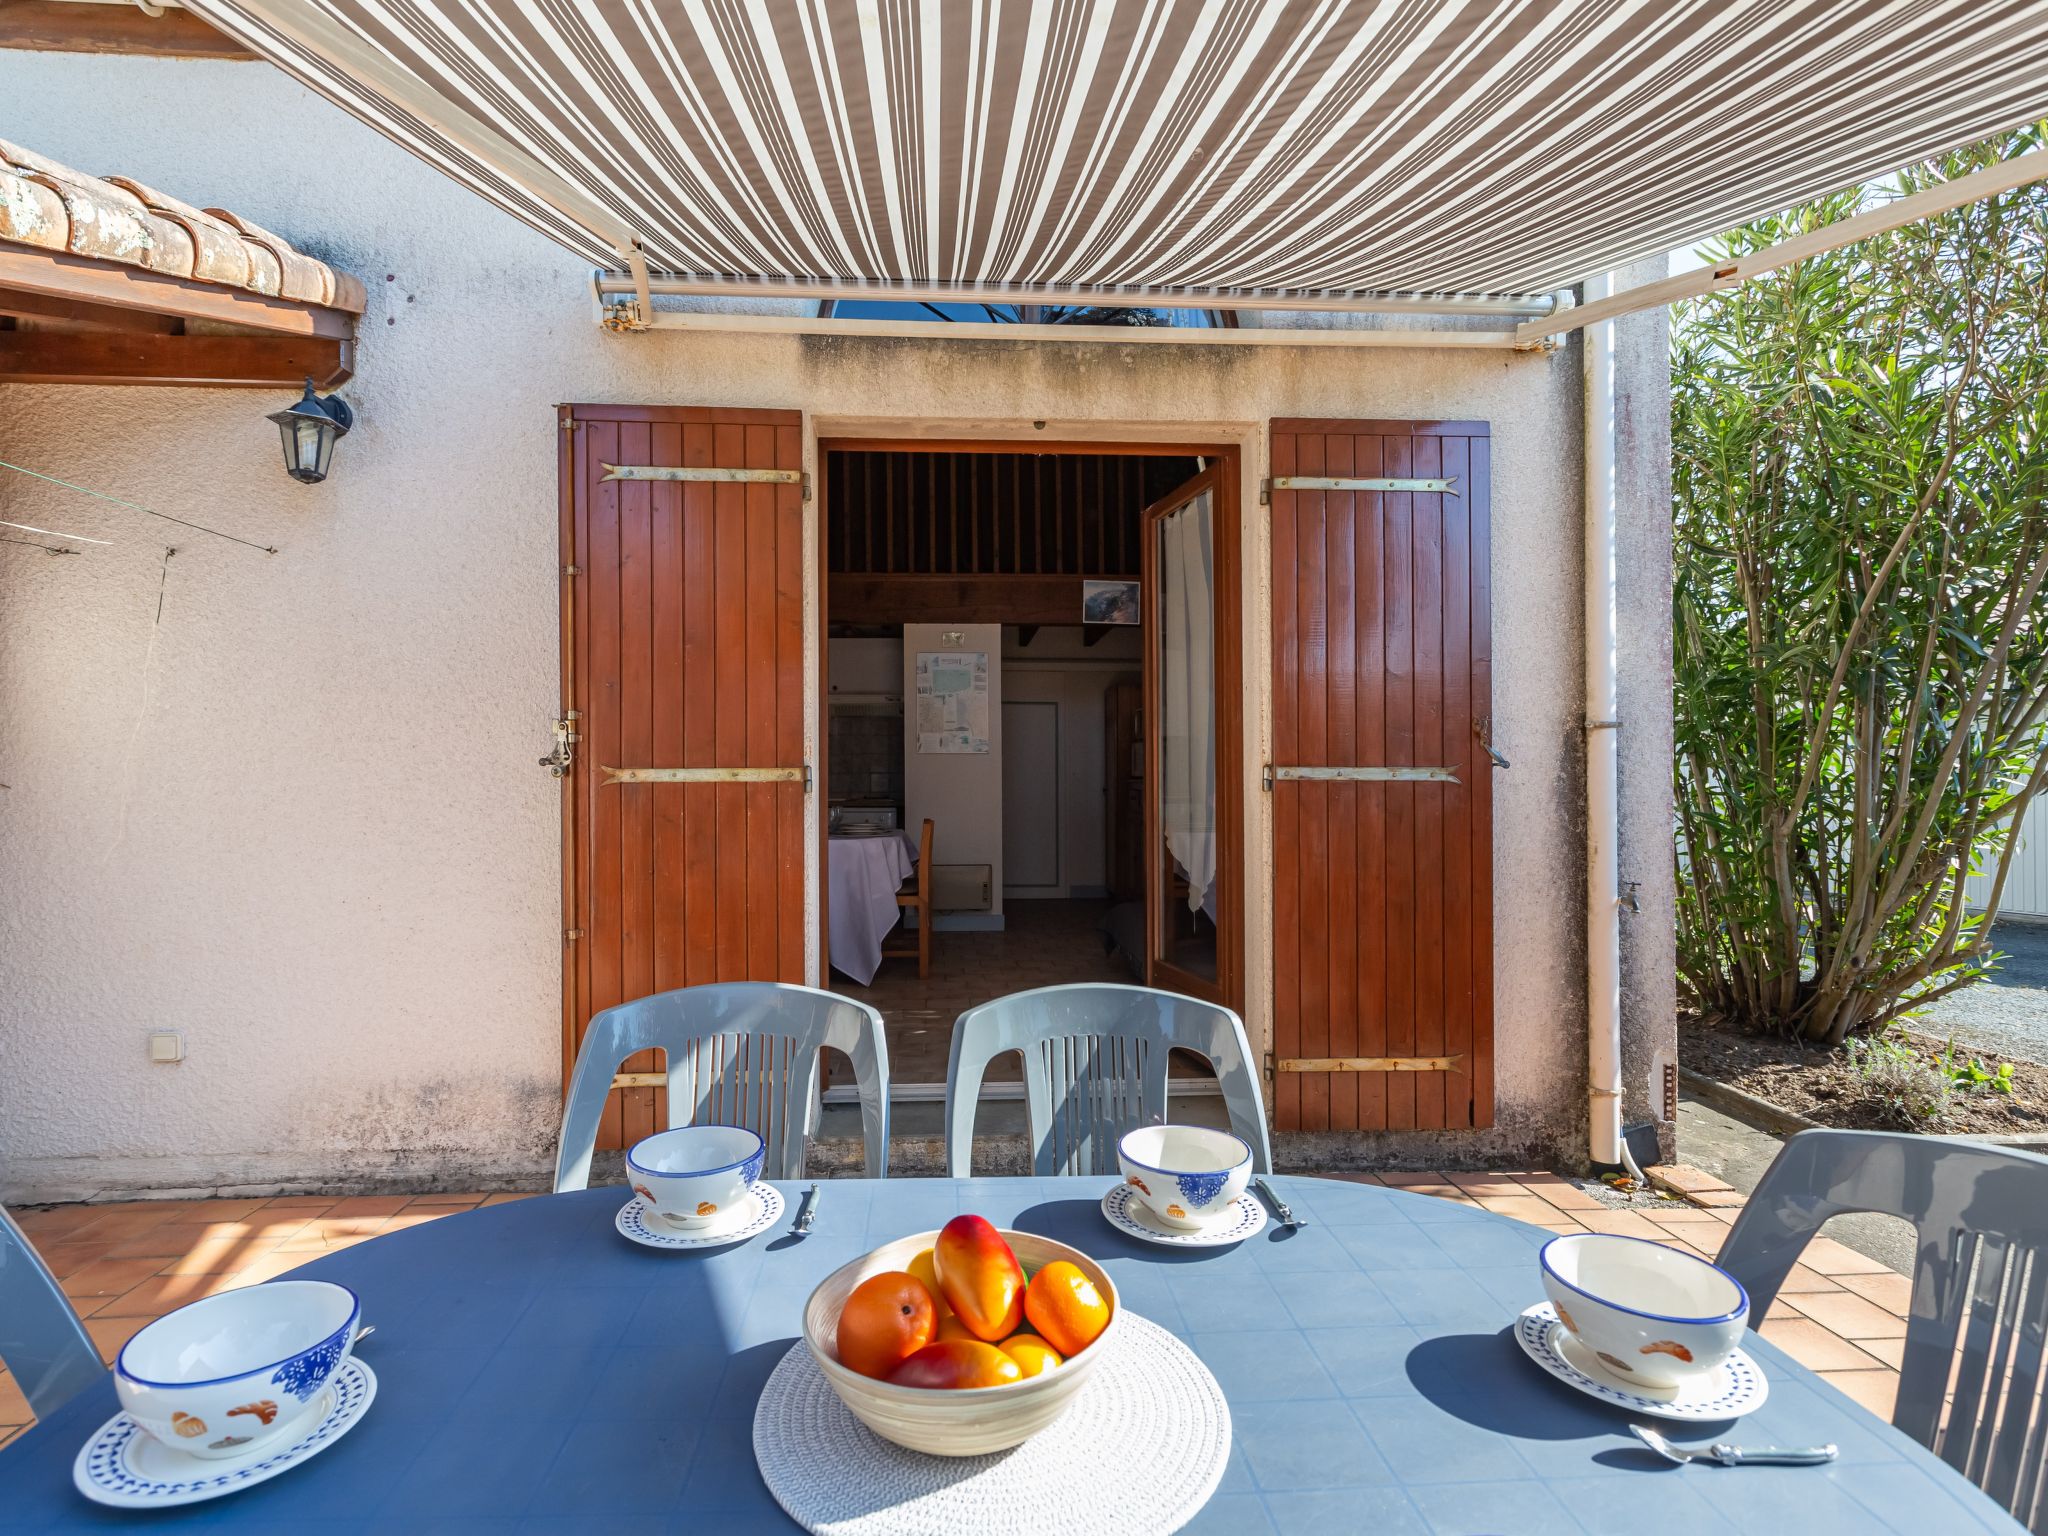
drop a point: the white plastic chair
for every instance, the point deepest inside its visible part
(1974, 1371)
(42, 1342)
(1095, 1067)
(739, 1053)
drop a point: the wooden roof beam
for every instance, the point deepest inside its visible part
(56, 26)
(60, 275)
(129, 357)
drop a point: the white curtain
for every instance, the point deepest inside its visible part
(1187, 666)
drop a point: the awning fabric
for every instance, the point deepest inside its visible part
(1276, 147)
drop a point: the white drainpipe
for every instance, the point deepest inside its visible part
(1603, 870)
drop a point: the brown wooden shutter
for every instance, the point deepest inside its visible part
(1383, 887)
(682, 617)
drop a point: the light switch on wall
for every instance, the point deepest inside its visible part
(166, 1045)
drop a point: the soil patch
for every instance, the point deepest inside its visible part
(1822, 1085)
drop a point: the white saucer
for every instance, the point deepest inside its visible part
(1243, 1218)
(126, 1467)
(1734, 1387)
(647, 1227)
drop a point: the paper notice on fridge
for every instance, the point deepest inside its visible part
(952, 701)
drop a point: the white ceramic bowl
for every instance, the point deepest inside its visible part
(962, 1421)
(1651, 1315)
(1186, 1175)
(223, 1375)
(695, 1174)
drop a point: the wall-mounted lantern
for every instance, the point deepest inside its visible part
(310, 430)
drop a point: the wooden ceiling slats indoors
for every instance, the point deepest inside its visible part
(983, 537)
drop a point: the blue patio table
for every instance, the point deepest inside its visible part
(538, 1373)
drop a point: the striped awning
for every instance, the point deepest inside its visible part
(1248, 151)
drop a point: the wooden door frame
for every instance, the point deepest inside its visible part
(1224, 460)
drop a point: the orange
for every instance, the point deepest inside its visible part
(888, 1318)
(926, 1270)
(1033, 1355)
(1065, 1307)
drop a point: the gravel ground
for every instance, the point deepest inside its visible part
(2008, 1011)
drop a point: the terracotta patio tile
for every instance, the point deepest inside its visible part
(109, 1277)
(65, 1259)
(14, 1408)
(299, 1202)
(1804, 1282)
(1490, 1185)
(1562, 1193)
(8, 1434)
(1561, 1228)
(1723, 1199)
(1851, 1316)
(1683, 1177)
(1891, 1291)
(1876, 1390)
(1781, 1308)
(419, 1217)
(417, 1201)
(508, 1197)
(1520, 1207)
(1621, 1224)
(366, 1205)
(110, 1333)
(1831, 1258)
(1814, 1346)
(269, 1266)
(1672, 1214)
(162, 1293)
(1436, 1191)
(217, 1256)
(1891, 1351)
(217, 1210)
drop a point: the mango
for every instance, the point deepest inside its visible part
(980, 1277)
(926, 1270)
(957, 1363)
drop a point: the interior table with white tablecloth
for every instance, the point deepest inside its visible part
(865, 874)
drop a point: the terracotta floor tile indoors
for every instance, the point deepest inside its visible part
(1840, 1313)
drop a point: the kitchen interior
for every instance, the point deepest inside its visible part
(984, 669)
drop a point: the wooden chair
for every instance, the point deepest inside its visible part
(916, 894)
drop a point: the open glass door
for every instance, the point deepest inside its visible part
(1185, 884)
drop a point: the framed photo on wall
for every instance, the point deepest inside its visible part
(1109, 602)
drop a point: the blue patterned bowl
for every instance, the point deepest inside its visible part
(220, 1377)
(1186, 1175)
(695, 1175)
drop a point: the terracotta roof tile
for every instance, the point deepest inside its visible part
(43, 203)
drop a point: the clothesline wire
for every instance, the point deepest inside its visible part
(122, 501)
(51, 533)
(54, 549)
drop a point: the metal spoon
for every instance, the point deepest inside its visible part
(1735, 1455)
(1280, 1208)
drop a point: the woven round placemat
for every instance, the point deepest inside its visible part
(1140, 1449)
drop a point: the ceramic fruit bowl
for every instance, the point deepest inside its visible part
(1186, 1175)
(691, 1175)
(969, 1421)
(222, 1376)
(1652, 1317)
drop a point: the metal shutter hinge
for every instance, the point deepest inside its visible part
(571, 935)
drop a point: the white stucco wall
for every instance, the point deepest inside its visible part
(299, 816)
